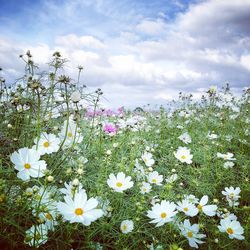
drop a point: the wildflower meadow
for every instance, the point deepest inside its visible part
(75, 175)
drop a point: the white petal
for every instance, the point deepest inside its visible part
(24, 175)
(204, 200)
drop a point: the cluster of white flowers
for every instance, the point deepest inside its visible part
(44, 208)
(134, 123)
(164, 211)
(142, 174)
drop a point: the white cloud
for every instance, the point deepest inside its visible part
(151, 27)
(245, 61)
(74, 41)
(41, 53)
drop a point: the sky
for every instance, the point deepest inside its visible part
(137, 51)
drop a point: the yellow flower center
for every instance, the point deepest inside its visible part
(185, 209)
(190, 234)
(199, 206)
(230, 230)
(46, 144)
(118, 184)
(37, 236)
(48, 216)
(124, 227)
(70, 134)
(154, 180)
(163, 215)
(183, 157)
(78, 211)
(232, 195)
(38, 197)
(27, 166)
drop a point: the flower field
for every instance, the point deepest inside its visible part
(75, 175)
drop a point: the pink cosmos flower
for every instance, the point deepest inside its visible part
(110, 128)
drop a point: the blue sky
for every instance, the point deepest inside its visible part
(36, 19)
(138, 52)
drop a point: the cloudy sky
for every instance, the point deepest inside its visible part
(136, 51)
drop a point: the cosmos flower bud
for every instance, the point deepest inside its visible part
(50, 178)
(108, 152)
(80, 171)
(75, 182)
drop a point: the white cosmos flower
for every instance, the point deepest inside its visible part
(229, 138)
(191, 232)
(120, 182)
(82, 160)
(155, 178)
(184, 113)
(226, 157)
(70, 189)
(37, 235)
(162, 213)
(209, 210)
(232, 228)
(212, 136)
(127, 226)
(179, 127)
(228, 164)
(191, 199)
(47, 144)
(172, 178)
(183, 155)
(229, 215)
(154, 200)
(105, 205)
(75, 96)
(48, 214)
(148, 160)
(27, 162)
(80, 209)
(43, 197)
(232, 195)
(185, 137)
(71, 133)
(145, 188)
(139, 170)
(188, 208)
